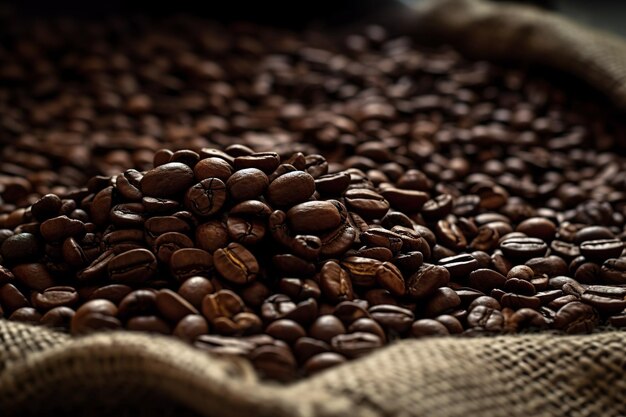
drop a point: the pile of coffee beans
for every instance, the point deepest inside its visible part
(294, 200)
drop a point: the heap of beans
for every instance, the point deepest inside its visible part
(312, 204)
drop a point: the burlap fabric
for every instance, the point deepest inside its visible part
(124, 374)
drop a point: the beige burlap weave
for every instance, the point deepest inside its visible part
(124, 374)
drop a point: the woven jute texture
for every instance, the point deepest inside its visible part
(126, 374)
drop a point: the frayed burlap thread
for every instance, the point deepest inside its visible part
(123, 373)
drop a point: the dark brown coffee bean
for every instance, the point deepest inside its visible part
(167, 180)
(485, 301)
(46, 207)
(549, 266)
(408, 201)
(592, 233)
(517, 301)
(307, 347)
(368, 325)
(390, 277)
(133, 267)
(211, 236)
(600, 250)
(20, 247)
(95, 315)
(274, 362)
(290, 189)
(286, 330)
(206, 198)
(452, 323)
(34, 276)
(247, 184)
(58, 318)
(113, 292)
(379, 237)
(486, 279)
(486, 319)
(428, 327)
(190, 262)
(437, 208)
(59, 228)
(392, 318)
(442, 300)
(332, 184)
(567, 251)
(538, 227)
(519, 286)
(190, 327)
(575, 318)
(613, 271)
(426, 281)
(323, 361)
(355, 345)
(11, 298)
(173, 306)
(459, 266)
(366, 203)
(522, 249)
(350, 311)
(450, 235)
(150, 324)
(363, 271)
(335, 282)
(212, 168)
(236, 264)
(168, 243)
(605, 299)
(54, 297)
(314, 216)
(265, 161)
(326, 327)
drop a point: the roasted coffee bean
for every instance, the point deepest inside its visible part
(392, 318)
(212, 168)
(538, 227)
(58, 318)
(211, 236)
(167, 180)
(459, 266)
(379, 237)
(323, 361)
(247, 184)
(168, 243)
(20, 247)
(428, 327)
(307, 347)
(34, 276)
(605, 299)
(150, 324)
(11, 298)
(194, 290)
(550, 266)
(444, 299)
(363, 271)
(367, 203)
(613, 271)
(575, 318)
(437, 208)
(486, 279)
(335, 282)
(314, 216)
(426, 281)
(133, 267)
(190, 262)
(486, 319)
(290, 189)
(236, 264)
(368, 325)
(355, 345)
(59, 228)
(566, 251)
(206, 198)
(95, 315)
(522, 249)
(450, 235)
(408, 201)
(173, 306)
(53, 297)
(326, 327)
(350, 311)
(390, 277)
(601, 250)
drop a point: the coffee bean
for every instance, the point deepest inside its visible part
(314, 216)
(605, 299)
(442, 300)
(390, 277)
(206, 198)
(167, 180)
(236, 264)
(363, 271)
(286, 330)
(538, 227)
(95, 315)
(58, 318)
(133, 267)
(427, 280)
(323, 361)
(366, 203)
(576, 318)
(247, 184)
(190, 262)
(355, 345)
(290, 189)
(212, 168)
(53, 297)
(428, 327)
(486, 279)
(20, 247)
(335, 282)
(613, 271)
(522, 249)
(486, 319)
(172, 306)
(601, 250)
(392, 318)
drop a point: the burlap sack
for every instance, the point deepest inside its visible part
(124, 374)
